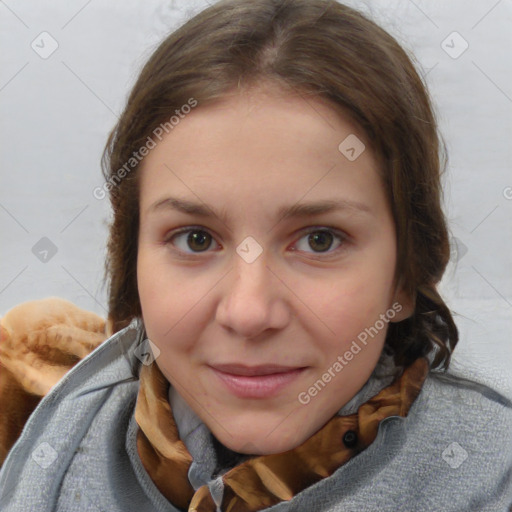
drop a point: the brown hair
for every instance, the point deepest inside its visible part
(318, 47)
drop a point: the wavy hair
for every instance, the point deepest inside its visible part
(318, 47)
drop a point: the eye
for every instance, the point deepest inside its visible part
(194, 240)
(321, 240)
(198, 240)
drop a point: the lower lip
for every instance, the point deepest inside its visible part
(257, 386)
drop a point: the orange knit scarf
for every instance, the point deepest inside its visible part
(261, 481)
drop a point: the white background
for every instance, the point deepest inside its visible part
(56, 114)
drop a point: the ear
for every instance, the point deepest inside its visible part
(403, 304)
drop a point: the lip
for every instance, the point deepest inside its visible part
(262, 381)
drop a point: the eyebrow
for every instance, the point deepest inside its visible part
(285, 212)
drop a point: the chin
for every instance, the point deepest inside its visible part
(258, 444)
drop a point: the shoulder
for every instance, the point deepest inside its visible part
(453, 450)
(101, 384)
(469, 412)
(109, 366)
(455, 400)
(459, 439)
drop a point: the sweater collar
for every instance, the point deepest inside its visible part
(196, 472)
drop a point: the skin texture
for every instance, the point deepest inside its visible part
(300, 303)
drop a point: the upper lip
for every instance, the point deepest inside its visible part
(264, 369)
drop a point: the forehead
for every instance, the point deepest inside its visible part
(265, 144)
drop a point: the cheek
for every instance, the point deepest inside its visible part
(348, 304)
(172, 301)
(160, 303)
(346, 309)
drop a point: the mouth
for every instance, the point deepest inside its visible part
(252, 371)
(262, 381)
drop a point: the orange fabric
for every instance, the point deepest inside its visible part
(40, 341)
(261, 481)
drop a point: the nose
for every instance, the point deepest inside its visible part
(253, 299)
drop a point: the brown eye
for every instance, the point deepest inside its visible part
(197, 240)
(322, 240)
(318, 241)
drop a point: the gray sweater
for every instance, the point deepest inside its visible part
(77, 452)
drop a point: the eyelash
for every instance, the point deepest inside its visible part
(342, 237)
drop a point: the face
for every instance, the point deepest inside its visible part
(267, 322)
